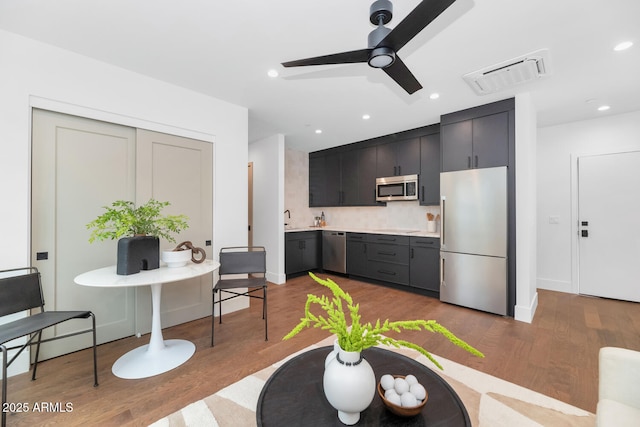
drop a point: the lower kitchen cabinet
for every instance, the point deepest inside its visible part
(413, 262)
(425, 263)
(303, 251)
(378, 256)
(357, 254)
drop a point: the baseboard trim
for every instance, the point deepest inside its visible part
(525, 314)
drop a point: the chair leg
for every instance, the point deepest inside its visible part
(35, 365)
(264, 313)
(5, 355)
(95, 355)
(213, 315)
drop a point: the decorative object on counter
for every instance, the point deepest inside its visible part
(432, 221)
(323, 221)
(138, 230)
(348, 367)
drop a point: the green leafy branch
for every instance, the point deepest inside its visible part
(357, 336)
(123, 219)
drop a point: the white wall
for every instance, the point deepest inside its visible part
(526, 294)
(557, 151)
(35, 74)
(267, 156)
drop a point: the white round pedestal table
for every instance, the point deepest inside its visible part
(159, 355)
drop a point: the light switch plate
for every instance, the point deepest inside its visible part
(554, 219)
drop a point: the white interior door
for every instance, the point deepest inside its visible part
(78, 166)
(609, 239)
(178, 170)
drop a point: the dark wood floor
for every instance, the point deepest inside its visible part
(556, 355)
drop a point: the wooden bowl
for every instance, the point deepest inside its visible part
(402, 411)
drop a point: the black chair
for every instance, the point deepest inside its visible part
(245, 260)
(21, 290)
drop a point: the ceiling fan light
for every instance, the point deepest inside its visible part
(381, 57)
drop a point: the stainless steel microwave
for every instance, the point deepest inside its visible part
(397, 188)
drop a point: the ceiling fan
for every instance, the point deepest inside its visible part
(384, 43)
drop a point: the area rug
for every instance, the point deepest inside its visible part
(490, 401)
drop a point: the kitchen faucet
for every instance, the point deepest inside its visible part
(288, 212)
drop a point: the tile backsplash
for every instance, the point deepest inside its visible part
(407, 215)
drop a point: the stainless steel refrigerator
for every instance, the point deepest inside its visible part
(473, 239)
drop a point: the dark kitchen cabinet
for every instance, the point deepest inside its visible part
(303, 251)
(317, 185)
(425, 264)
(367, 157)
(399, 158)
(429, 178)
(481, 142)
(357, 254)
(343, 177)
(378, 256)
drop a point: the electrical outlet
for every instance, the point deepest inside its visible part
(553, 219)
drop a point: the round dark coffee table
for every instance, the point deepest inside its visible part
(293, 395)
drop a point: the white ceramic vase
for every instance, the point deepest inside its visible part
(349, 385)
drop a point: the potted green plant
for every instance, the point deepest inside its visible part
(138, 230)
(348, 378)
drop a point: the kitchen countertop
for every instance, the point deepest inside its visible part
(397, 231)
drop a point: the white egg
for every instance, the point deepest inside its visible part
(387, 381)
(389, 393)
(418, 391)
(407, 399)
(395, 399)
(401, 385)
(411, 379)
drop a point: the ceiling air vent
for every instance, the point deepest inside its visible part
(495, 78)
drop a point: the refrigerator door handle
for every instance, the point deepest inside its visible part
(443, 216)
(442, 283)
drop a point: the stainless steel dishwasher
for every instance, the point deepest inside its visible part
(334, 251)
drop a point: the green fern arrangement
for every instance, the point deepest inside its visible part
(358, 337)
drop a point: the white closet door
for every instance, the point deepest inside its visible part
(78, 166)
(180, 171)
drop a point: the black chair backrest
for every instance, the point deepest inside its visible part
(241, 260)
(20, 292)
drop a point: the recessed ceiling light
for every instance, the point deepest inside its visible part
(623, 46)
(366, 117)
(603, 108)
(272, 73)
(434, 96)
(318, 131)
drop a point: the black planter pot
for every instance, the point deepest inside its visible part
(138, 253)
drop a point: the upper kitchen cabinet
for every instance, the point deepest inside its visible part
(477, 137)
(399, 158)
(342, 177)
(429, 177)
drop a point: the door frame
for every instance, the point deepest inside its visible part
(575, 229)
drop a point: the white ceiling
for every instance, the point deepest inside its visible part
(225, 48)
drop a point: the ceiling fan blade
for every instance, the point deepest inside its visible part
(414, 22)
(353, 56)
(399, 72)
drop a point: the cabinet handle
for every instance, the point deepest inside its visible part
(399, 170)
(387, 272)
(412, 253)
(394, 171)
(387, 253)
(476, 165)
(422, 198)
(468, 162)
